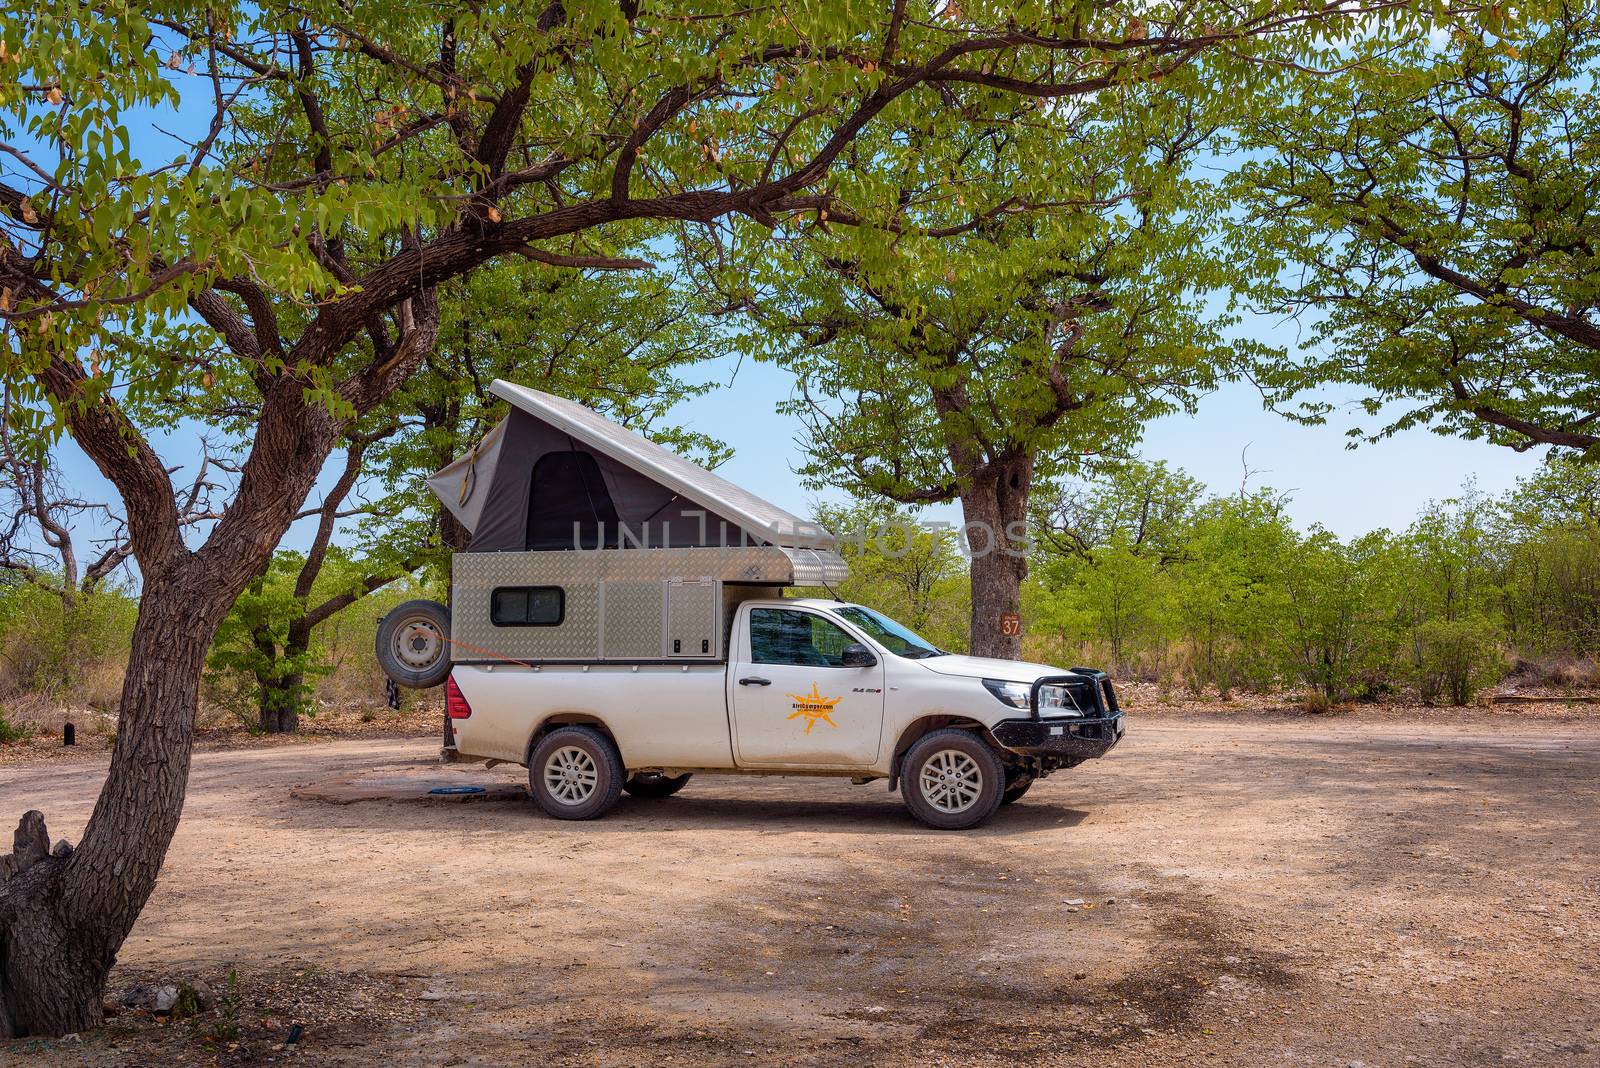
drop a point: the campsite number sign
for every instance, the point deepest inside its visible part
(1010, 624)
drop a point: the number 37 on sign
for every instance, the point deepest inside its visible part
(1010, 624)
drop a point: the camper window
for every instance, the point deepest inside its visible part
(569, 506)
(527, 606)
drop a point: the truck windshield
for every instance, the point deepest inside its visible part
(899, 640)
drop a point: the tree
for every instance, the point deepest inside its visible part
(1105, 547)
(911, 571)
(262, 665)
(1229, 605)
(1549, 528)
(977, 368)
(616, 342)
(1431, 216)
(1338, 620)
(41, 517)
(1149, 507)
(1113, 592)
(349, 160)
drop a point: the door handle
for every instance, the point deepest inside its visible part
(754, 680)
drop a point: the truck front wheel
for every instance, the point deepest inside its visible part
(575, 773)
(951, 779)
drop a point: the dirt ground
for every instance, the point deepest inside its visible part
(1238, 891)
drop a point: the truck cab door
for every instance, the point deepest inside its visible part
(794, 701)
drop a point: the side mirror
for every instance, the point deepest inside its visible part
(857, 655)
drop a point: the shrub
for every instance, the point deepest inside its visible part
(11, 733)
(1558, 671)
(1315, 703)
(68, 655)
(1454, 658)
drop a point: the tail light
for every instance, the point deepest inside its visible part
(455, 702)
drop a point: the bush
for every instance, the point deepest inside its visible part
(1315, 703)
(69, 656)
(1455, 658)
(11, 733)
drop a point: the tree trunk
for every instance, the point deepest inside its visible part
(994, 506)
(268, 694)
(289, 690)
(280, 711)
(64, 916)
(281, 693)
(275, 713)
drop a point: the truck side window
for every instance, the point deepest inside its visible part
(782, 636)
(527, 606)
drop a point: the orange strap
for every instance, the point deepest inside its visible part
(487, 652)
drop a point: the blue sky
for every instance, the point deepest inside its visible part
(1348, 491)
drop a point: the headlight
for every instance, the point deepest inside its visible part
(1015, 694)
(1059, 700)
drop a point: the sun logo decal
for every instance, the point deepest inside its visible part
(813, 707)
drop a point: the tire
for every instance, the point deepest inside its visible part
(575, 773)
(932, 774)
(1016, 786)
(654, 784)
(413, 644)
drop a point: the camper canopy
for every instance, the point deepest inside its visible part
(555, 475)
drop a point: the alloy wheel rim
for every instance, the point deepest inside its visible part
(571, 775)
(951, 781)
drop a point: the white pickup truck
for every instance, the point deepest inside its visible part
(807, 687)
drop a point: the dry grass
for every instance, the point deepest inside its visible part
(1556, 672)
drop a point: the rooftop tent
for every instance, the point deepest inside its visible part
(556, 475)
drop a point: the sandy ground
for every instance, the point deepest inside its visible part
(1239, 893)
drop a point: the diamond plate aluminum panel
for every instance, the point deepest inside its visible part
(577, 637)
(583, 573)
(632, 625)
(733, 563)
(692, 618)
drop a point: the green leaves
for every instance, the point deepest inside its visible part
(1044, 314)
(1430, 215)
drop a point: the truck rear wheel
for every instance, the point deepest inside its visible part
(654, 784)
(952, 779)
(575, 773)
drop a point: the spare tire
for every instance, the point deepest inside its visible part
(413, 644)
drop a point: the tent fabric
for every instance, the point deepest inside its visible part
(639, 511)
(569, 503)
(707, 491)
(462, 485)
(530, 484)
